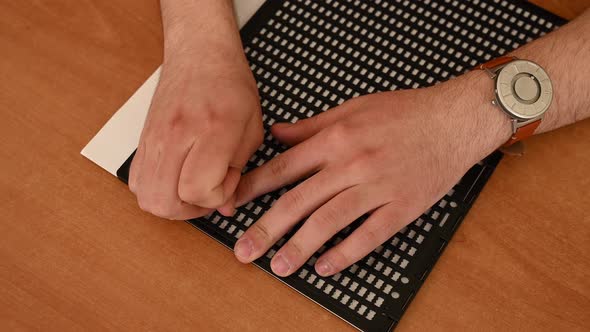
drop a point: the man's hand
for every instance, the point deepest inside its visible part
(204, 122)
(391, 154)
(395, 154)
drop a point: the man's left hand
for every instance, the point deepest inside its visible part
(391, 154)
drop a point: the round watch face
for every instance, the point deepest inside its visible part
(524, 89)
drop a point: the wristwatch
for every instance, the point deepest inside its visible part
(523, 90)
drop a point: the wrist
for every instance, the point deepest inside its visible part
(198, 28)
(481, 127)
(182, 42)
(201, 52)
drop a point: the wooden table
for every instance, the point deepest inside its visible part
(77, 254)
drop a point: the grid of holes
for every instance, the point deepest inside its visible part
(311, 56)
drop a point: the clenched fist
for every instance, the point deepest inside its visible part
(203, 125)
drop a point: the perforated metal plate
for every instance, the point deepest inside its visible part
(309, 56)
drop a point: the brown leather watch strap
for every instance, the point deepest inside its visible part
(496, 62)
(523, 132)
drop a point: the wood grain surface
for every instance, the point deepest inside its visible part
(77, 254)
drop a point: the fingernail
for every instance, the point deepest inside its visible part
(232, 211)
(280, 265)
(243, 249)
(324, 268)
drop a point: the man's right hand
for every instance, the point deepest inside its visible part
(203, 125)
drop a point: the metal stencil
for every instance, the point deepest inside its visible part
(308, 56)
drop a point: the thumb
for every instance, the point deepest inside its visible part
(295, 133)
(228, 209)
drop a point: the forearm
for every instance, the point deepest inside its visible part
(564, 54)
(200, 28)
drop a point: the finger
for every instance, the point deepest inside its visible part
(298, 162)
(294, 133)
(324, 223)
(204, 172)
(378, 228)
(135, 169)
(228, 209)
(144, 179)
(291, 208)
(219, 195)
(228, 187)
(251, 140)
(158, 188)
(138, 162)
(186, 212)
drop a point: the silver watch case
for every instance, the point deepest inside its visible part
(523, 90)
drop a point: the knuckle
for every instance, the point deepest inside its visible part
(360, 170)
(133, 187)
(142, 203)
(246, 186)
(367, 153)
(278, 166)
(327, 218)
(132, 183)
(178, 118)
(211, 119)
(174, 128)
(338, 132)
(295, 249)
(213, 201)
(188, 192)
(195, 189)
(364, 159)
(226, 105)
(133, 177)
(338, 259)
(185, 190)
(162, 209)
(377, 233)
(193, 194)
(216, 113)
(401, 201)
(293, 200)
(262, 232)
(370, 235)
(184, 119)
